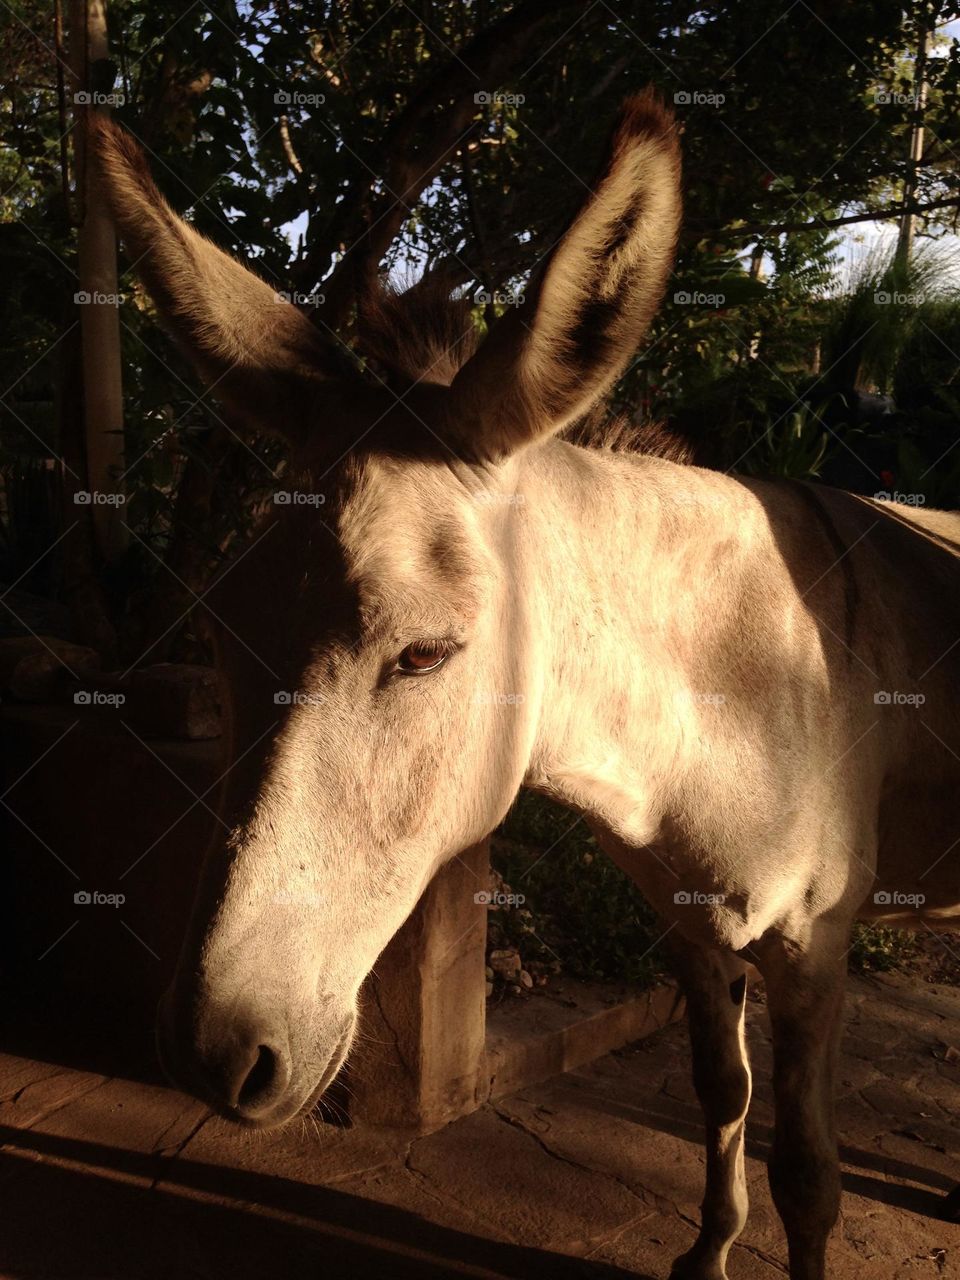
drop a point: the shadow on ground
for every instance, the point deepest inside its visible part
(105, 1220)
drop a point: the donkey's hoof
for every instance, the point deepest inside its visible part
(694, 1266)
(950, 1208)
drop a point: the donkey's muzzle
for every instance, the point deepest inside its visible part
(241, 1062)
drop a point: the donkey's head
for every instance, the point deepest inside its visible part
(373, 640)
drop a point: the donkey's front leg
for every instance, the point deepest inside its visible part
(805, 988)
(715, 985)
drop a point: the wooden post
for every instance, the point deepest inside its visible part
(420, 1060)
(97, 308)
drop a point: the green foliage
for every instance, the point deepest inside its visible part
(584, 911)
(794, 446)
(281, 130)
(876, 949)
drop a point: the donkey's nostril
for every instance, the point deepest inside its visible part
(260, 1081)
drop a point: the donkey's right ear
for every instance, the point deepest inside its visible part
(256, 352)
(548, 362)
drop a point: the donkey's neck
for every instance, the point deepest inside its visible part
(638, 567)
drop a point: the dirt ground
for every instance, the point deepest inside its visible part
(592, 1174)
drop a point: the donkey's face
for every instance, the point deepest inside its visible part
(389, 632)
(380, 660)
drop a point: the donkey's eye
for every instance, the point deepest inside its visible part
(423, 656)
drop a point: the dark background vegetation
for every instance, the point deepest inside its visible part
(332, 142)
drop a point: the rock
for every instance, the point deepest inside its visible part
(951, 1053)
(525, 979)
(506, 962)
(515, 990)
(28, 615)
(47, 674)
(489, 987)
(12, 651)
(176, 700)
(488, 973)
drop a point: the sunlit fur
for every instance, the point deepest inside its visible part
(688, 659)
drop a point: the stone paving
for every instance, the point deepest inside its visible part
(593, 1174)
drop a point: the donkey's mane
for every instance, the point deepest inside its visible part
(419, 335)
(422, 334)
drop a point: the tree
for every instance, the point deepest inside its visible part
(333, 143)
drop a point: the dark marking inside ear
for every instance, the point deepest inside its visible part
(623, 229)
(738, 989)
(591, 338)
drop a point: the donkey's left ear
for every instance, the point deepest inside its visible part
(254, 349)
(547, 363)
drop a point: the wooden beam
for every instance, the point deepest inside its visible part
(420, 1059)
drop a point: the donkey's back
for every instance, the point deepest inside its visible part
(904, 629)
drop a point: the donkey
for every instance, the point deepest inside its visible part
(722, 675)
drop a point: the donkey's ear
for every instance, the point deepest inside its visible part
(257, 353)
(544, 365)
